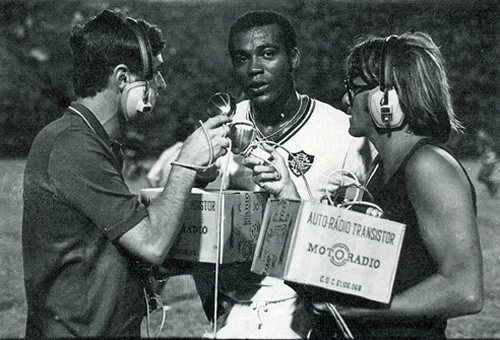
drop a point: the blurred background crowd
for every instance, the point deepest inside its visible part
(35, 60)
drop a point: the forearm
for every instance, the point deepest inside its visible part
(152, 238)
(167, 210)
(436, 296)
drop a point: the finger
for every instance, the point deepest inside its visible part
(217, 121)
(222, 131)
(224, 142)
(267, 176)
(276, 157)
(223, 152)
(252, 161)
(268, 147)
(264, 168)
(221, 145)
(227, 129)
(319, 308)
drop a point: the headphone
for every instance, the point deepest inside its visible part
(383, 100)
(137, 96)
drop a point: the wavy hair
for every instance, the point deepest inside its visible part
(106, 41)
(418, 75)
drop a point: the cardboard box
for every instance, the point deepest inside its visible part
(328, 247)
(241, 219)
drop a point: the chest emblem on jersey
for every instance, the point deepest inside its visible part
(300, 162)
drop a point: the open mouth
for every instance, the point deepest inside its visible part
(257, 87)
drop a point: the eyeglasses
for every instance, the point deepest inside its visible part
(353, 90)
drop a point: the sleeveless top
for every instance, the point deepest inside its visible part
(415, 262)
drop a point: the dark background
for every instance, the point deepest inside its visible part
(35, 59)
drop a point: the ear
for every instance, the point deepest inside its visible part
(120, 76)
(295, 58)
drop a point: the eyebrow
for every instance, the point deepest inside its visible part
(276, 46)
(260, 47)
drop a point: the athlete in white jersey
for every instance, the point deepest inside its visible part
(319, 144)
(263, 49)
(264, 55)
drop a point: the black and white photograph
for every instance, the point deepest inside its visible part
(250, 169)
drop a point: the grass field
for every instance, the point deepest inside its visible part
(185, 317)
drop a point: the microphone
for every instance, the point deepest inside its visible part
(221, 103)
(242, 136)
(243, 133)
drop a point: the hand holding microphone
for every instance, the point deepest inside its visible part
(274, 176)
(221, 108)
(242, 134)
(266, 163)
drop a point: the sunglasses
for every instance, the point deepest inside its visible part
(353, 90)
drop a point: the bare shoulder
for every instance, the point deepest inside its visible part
(433, 169)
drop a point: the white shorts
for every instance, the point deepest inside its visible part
(285, 319)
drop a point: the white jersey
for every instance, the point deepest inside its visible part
(319, 144)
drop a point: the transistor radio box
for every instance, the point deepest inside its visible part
(240, 223)
(329, 247)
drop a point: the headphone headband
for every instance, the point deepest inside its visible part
(384, 102)
(144, 46)
(385, 63)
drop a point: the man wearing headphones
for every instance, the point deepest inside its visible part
(398, 97)
(85, 236)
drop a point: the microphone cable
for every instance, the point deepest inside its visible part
(340, 321)
(219, 241)
(295, 159)
(164, 309)
(210, 156)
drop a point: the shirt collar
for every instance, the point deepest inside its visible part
(97, 127)
(91, 121)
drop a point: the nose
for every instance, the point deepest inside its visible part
(254, 66)
(345, 100)
(160, 81)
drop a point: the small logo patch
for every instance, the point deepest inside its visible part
(300, 162)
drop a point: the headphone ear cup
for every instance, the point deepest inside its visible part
(385, 116)
(132, 100)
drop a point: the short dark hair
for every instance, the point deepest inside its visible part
(418, 76)
(263, 18)
(106, 41)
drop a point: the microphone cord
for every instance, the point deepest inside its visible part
(219, 241)
(295, 159)
(340, 321)
(199, 168)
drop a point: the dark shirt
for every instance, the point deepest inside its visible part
(415, 262)
(78, 280)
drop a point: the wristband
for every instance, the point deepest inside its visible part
(188, 166)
